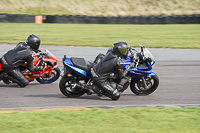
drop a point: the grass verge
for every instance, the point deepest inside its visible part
(101, 7)
(139, 119)
(95, 35)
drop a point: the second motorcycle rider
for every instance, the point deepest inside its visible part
(14, 58)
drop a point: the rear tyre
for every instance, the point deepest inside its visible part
(66, 87)
(137, 87)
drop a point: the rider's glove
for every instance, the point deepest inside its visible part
(123, 73)
(132, 64)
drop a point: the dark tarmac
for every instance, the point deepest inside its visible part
(177, 69)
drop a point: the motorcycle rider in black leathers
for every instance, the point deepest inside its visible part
(107, 64)
(23, 52)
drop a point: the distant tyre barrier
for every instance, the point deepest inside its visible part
(17, 18)
(81, 19)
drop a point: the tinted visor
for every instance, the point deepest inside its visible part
(123, 51)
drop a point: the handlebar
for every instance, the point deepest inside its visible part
(134, 53)
(134, 56)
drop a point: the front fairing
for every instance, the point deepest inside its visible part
(144, 67)
(139, 72)
(47, 56)
(129, 60)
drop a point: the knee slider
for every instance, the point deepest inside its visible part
(116, 95)
(25, 83)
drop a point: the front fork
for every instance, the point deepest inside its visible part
(145, 77)
(144, 82)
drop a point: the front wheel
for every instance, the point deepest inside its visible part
(137, 87)
(47, 79)
(67, 88)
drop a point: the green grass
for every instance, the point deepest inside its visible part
(101, 7)
(95, 35)
(115, 120)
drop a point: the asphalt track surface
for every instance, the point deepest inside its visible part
(178, 71)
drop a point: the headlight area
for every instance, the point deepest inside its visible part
(152, 63)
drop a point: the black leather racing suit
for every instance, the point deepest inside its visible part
(16, 57)
(102, 69)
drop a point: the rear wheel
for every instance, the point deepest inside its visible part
(67, 88)
(137, 87)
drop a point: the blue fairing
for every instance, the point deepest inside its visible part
(126, 62)
(138, 72)
(152, 74)
(78, 71)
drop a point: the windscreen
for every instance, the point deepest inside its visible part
(147, 54)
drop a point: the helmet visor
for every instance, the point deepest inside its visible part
(123, 51)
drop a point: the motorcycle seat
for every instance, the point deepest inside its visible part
(81, 63)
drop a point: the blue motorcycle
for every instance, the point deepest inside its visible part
(77, 79)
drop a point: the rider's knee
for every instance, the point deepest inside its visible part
(24, 83)
(116, 96)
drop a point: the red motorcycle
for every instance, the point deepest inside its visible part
(50, 72)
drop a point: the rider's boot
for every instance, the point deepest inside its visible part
(109, 91)
(1, 76)
(113, 97)
(7, 80)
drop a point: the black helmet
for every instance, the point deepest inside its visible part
(33, 41)
(121, 49)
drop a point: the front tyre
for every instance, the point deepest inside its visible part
(67, 89)
(47, 79)
(137, 87)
